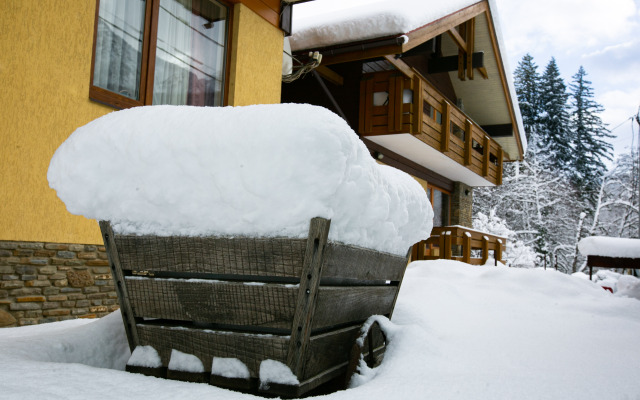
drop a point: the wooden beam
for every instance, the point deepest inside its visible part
(314, 258)
(483, 72)
(445, 136)
(485, 156)
(400, 65)
(421, 35)
(460, 42)
(451, 63)
(468, 140)
(470, 31)
(418, 99)
(330, 75)
(462, 57)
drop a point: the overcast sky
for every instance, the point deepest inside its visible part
(602, 36)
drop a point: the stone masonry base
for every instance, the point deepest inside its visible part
(46, 282)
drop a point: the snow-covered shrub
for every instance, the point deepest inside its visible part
(516, 254)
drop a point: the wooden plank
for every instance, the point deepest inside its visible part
(314, 258)
(329, 350)
(277, 257)
(330, 75)
(357, 263)
(466, 248)
(206, 344)
(446, 134)
(398, 107)
(391, 109)
(442, 25)
(228, 303)
(485, 249)
(485, 160)
(369, 106)
(613, 262)
(470, 31)
(121, 286)
(401, 66)
(457, 39)
(352, 304)
(468, 127)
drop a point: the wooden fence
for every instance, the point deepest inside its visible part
(461, 244)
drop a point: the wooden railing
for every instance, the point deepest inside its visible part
(391, 103)
(460, 243)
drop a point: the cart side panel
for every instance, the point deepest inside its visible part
(338, 306)
(206, 344)
(352, 263)
(214, 302)
(279, 257)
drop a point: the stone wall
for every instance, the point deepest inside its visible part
(462, 205)
(47, 282)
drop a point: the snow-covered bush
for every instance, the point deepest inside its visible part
(516, 254)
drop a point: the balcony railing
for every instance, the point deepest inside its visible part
(461, 244)
(391, 103)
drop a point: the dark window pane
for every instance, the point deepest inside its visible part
(119, 47)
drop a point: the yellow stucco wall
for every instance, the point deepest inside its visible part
(45, 61)
(255, 73)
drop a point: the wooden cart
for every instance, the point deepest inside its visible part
(301, 302)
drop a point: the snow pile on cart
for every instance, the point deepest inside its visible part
(253, 171)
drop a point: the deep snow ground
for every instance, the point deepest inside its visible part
(458, 332)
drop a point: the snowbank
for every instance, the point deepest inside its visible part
(609, 247)
(322, 23)
(254, 171)
(459, 332)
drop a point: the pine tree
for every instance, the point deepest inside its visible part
(589, 138)
(555, 135)
(527, 83)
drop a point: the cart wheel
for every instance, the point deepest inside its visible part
(369, 347)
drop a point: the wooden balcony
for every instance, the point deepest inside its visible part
(461, 244)
(391, 103)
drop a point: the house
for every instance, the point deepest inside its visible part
(69, 62)
(426, 88)
(434, 100)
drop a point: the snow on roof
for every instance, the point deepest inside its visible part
(609, 247)
(322, 23)
(262, 170)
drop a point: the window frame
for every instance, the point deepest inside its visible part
(148, 61)
(430, 194)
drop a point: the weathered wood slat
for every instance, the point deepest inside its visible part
(341, 305)
(329, 349)
(230, 303)
(314, 258)
(205, 344)
(242, 256)
(120, 284)
(350, 262)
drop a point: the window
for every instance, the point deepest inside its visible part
(440, 201)
(160, 52)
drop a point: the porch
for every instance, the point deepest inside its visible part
(395, 105)
(461, 244)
